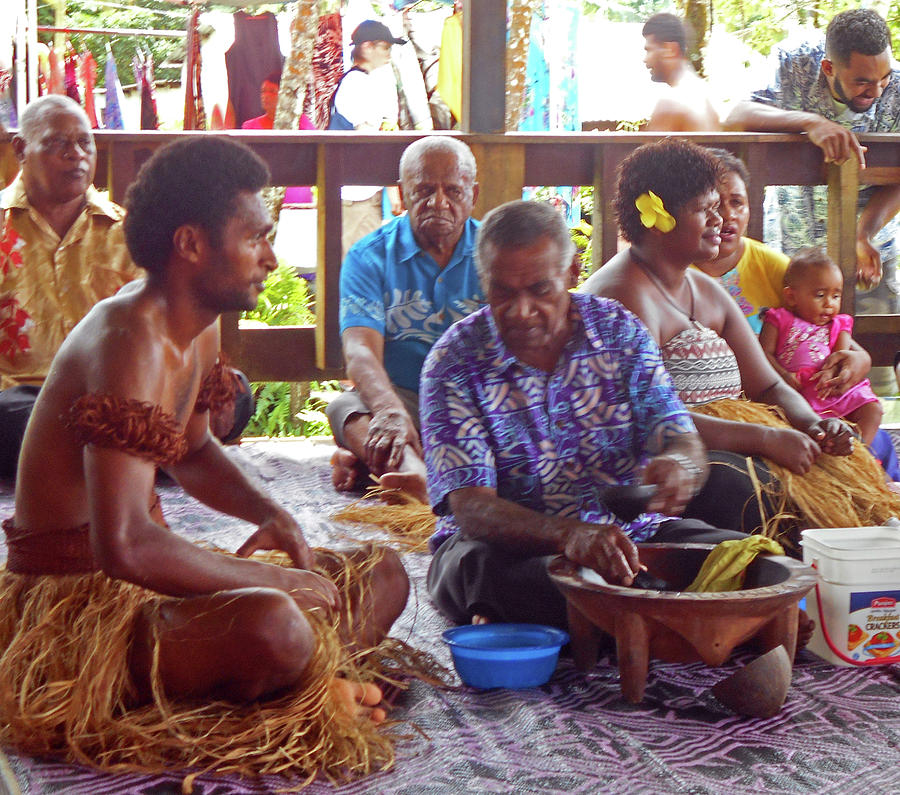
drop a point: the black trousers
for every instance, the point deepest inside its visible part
(469, 578)
(16, 404)
(728, 499)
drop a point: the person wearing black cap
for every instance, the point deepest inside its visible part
(366, 99)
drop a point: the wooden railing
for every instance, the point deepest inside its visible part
(506, 163)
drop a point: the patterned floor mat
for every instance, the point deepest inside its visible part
(837, 733)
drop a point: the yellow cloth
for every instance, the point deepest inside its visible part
(449, 82)
(725, 566)
(48, 284)
(760, 276)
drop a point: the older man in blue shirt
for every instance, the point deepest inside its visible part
(530, 407)
(402, 286)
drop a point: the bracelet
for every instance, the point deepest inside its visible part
(687, 464)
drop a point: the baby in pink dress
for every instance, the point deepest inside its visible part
(799, 336)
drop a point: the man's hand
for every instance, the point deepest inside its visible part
(792, 449)
(606, 550)
(282, 533)
(837, 143)
(390, 430)
(833, 436)
(840, 371)
(675, 485)
(868, 263)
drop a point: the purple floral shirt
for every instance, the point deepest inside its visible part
(547, 441)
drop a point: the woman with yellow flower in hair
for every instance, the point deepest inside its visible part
(667, 208)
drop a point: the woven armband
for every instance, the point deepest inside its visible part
(218, 388)
(132, 426)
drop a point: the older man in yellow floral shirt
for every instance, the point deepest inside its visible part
(61, 251)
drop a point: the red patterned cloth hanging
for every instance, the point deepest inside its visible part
(71, 73)
(57, 77)
(87, 76)
(194, 112)
(327, 68)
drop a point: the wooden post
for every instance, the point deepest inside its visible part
(501, 174)
(843, 191)
(330, 223)
(484, 45)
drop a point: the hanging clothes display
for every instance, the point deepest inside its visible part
(415, 113)
(8, 116)
(254, 54)
(194, 113)
(70, 72)
(57, 77)
(142, 63)
(327, 69)
(449, 81)
(87, 78)
(112, 112)
(551, 89)
(424, 29)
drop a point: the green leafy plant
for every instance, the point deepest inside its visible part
(286, 301)
(285, 409)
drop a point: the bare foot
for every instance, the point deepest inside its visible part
(360, 698)
(346, 470)
(805, 627)
(411, 484)
(477, 619)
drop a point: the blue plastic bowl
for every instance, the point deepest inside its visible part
(505, 655)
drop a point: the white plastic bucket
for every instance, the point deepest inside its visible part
(856, 602)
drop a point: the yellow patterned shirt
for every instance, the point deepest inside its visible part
(48, 284)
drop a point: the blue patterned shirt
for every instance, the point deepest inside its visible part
(547, 441)
(390, 285)
(797, 216)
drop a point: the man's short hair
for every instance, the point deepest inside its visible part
(194, 180)
(439, 143)
(668, 27)
(519, 224)
(31, 118)
(859, 30)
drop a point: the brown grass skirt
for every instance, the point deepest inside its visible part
(65, 690)
(839, 491)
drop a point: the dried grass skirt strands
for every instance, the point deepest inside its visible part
(410, 523)
(65, 690)
(839, 491)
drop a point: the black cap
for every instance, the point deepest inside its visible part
(373, 30)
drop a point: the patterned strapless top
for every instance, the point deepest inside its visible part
(702, 366)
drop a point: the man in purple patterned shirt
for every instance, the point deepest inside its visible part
(530, 407)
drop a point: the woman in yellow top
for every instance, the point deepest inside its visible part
(753, 275)
(750, 271)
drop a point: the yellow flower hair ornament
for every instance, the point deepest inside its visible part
(653, 212)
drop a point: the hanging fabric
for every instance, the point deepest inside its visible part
(449, 82)
(551, 89)
(112, 112)
(70, 72)
(8, 116)
(327, 69)
(194, 113)
(57, 78)
(254, 54)
(87, 77)
(149, 115)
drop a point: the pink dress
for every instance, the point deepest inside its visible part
(801, 348)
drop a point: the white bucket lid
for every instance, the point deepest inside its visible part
(854, 543)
